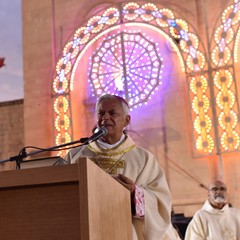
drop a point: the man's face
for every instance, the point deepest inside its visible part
(217, 194)
(110, 114)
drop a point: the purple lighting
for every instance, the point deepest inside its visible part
(128, 65)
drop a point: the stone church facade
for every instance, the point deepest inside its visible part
(189, 123)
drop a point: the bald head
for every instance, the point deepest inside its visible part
(216, 183)
(217, 194)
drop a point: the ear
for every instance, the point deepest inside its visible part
(127, 120)
(208, 194)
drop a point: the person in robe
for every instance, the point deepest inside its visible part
(132, 166)
(216, 220)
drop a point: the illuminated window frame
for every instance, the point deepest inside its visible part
(179, 33)
(224, 48)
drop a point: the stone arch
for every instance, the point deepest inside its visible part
(184, 38)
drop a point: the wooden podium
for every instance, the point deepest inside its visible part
(78, 201)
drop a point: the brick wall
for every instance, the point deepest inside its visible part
(11, 131)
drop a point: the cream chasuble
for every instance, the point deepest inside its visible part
(141, 166)
(214, 224)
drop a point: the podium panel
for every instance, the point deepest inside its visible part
(78, 201)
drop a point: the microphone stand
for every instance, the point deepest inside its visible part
(23, 154)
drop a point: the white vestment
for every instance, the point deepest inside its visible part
(214, 224)
(141, 166)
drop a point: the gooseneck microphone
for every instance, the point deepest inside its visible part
(102, 131)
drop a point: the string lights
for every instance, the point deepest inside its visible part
(134, 75)
(137, 78)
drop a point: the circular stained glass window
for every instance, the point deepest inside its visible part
(128, 65)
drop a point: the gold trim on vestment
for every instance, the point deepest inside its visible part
(109, 164)
(110, 160)
(110, 152)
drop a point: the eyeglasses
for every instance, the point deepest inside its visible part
(215, 189)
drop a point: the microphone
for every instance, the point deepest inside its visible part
(102, 131)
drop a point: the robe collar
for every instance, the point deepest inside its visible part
(208, 208)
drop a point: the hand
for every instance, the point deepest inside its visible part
(126, 182)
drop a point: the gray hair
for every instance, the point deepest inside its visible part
(120, 99)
